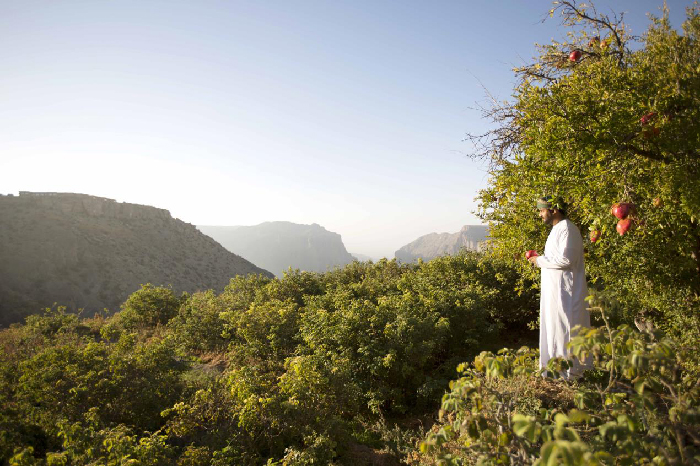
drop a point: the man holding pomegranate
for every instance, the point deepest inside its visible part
(563, 289)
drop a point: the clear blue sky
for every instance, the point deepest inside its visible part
(346, 113)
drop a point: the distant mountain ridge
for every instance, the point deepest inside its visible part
(277, 246)
(361, 257)
(430, 246)
(89, 252)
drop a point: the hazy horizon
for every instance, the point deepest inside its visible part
(374, 258)
(347, 114)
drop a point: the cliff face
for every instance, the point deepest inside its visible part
(88, 252)
(276, 246)
(471, 237)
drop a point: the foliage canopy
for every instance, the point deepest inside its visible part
(620, 124)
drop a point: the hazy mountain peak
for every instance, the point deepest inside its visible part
(432, 245)
(279, 245)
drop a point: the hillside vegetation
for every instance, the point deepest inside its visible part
(339, 368)
(307, 367)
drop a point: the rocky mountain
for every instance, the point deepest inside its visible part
(89, 252)
(428, 247)
(276, 246)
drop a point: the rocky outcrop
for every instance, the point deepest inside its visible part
(471, 237)
(89, 252)
(277, 246)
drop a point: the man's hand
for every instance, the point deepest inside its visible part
(533, 260)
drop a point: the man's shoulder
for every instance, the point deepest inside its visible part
(562, 225)
(565, 227)
(569, 228)
(571, 225)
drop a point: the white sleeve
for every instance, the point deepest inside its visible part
(566, 251)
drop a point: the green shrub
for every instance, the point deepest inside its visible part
(148, 307)
(636, 406)
(126, 383)
(198, 326)
(398, 331)
(84, 442)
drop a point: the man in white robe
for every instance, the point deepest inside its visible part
(564, 289)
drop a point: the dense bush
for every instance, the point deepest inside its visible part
(303, 369)
(292, 370)
(635, 406)
(149, 306)
(56, 368)
(398, 337)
